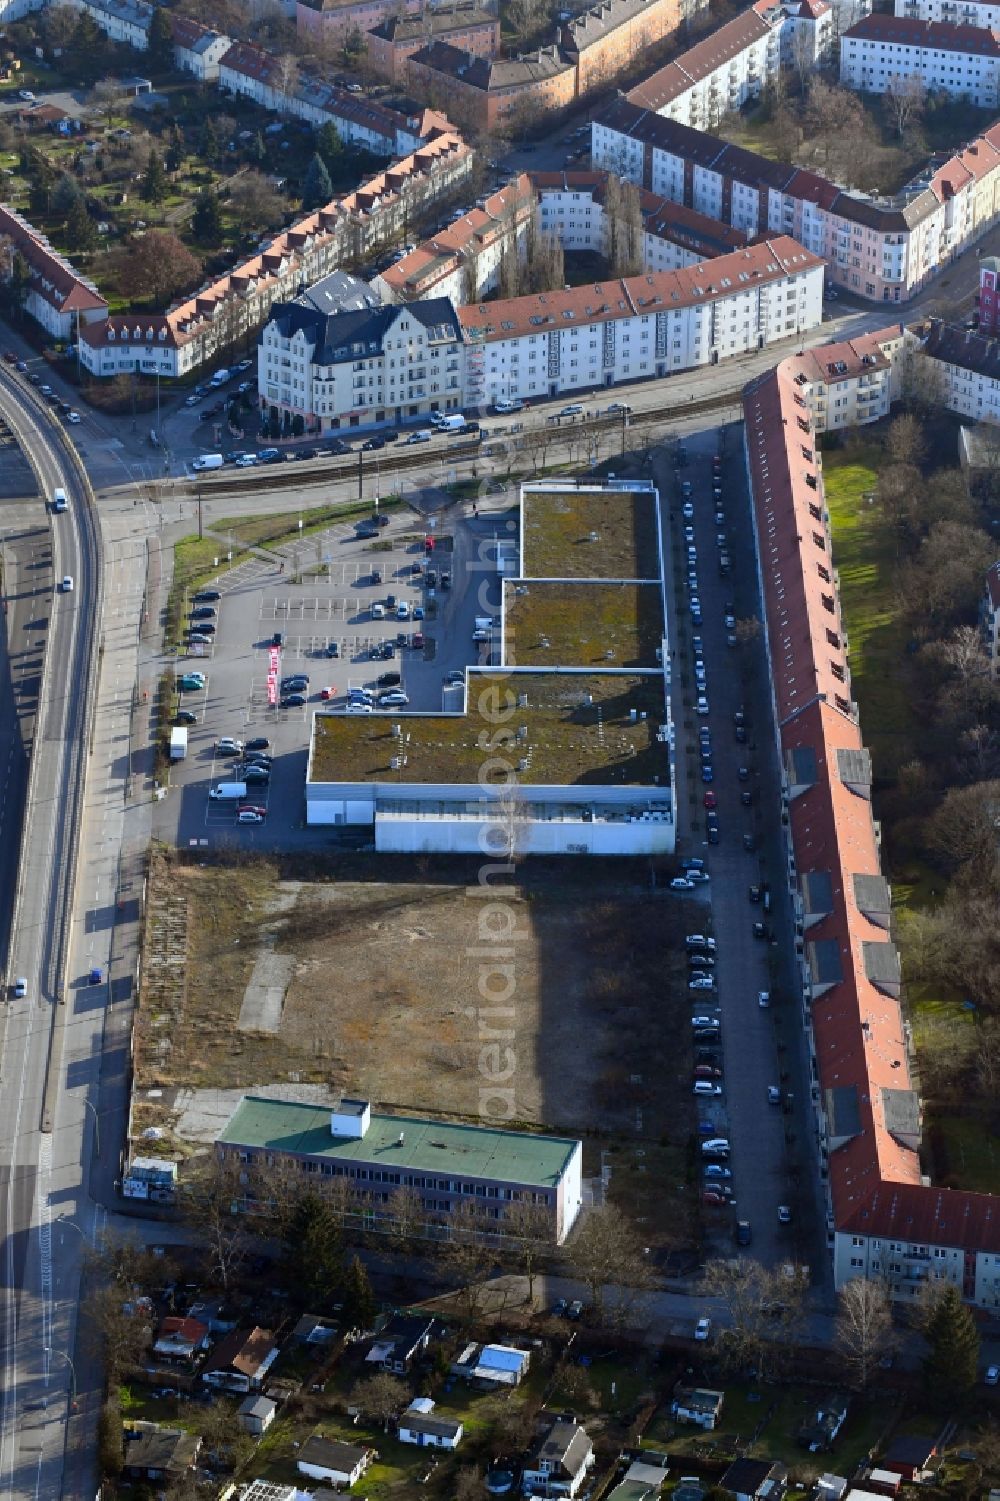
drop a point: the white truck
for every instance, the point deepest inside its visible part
(208, 461)
(453, 423)
(228, 792)
(178, 743)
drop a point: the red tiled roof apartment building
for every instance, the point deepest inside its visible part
(59, 298)
(883, 1220)
(216, 316)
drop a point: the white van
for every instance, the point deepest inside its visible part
(208, 461)
(59, 502)
(228, 792)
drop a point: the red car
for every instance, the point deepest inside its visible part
(417, 640)
(428, 544)
(710, 800)
(713, 1196)
(328, 693)
(252, 808)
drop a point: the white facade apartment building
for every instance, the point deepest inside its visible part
(15, 10)
(734, 64)
(969, 367)
(883, 250)
(958, 12)
(642, 326)
(571, 206)
(853, 382)
(121, 20)
(336, 358)
(960, 60)
(197, 49)
(462, 262)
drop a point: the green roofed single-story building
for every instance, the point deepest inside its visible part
(441, 1163)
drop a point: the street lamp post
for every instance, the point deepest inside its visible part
(49, 1351)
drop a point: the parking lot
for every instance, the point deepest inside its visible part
(342, 611)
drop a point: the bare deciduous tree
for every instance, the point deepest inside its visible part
(905, 96)
(604, 1252)
(863, 1327)
(764, 1308)
(467, 1253)
(381, 1397)
(209, 1199)
(905, 442)
(527, 1231)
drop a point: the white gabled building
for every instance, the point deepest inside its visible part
(960, 60)
(197, 49)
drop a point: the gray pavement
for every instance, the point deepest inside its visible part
(315, 592)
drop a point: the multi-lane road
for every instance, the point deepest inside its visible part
(42, 1143)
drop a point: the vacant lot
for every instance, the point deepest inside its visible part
(373, 986)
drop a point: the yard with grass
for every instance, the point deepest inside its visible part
(763, 1422)
(960, 1147)
(865, 558)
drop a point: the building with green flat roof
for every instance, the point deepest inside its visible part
(440, 1162)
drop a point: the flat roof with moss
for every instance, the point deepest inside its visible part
(577, 730)
(582, 624)
(589, 533)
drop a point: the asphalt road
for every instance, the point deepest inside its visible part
(37, 1144)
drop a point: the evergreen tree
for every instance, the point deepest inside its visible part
(952, 1359)
(317, 188)
(359, 1300)
(208, 141)
(257, 150)
(313, 1260)
(66, 193)
(331, 148)
(160, 49)
(81, 232)
(206, 222)
(88, 51)
(175, 151)
(154, 184)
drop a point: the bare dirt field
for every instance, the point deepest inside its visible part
(378, 993)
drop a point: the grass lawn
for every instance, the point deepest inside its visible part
(864, 556)
(973, 1153)
(764, 1422)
